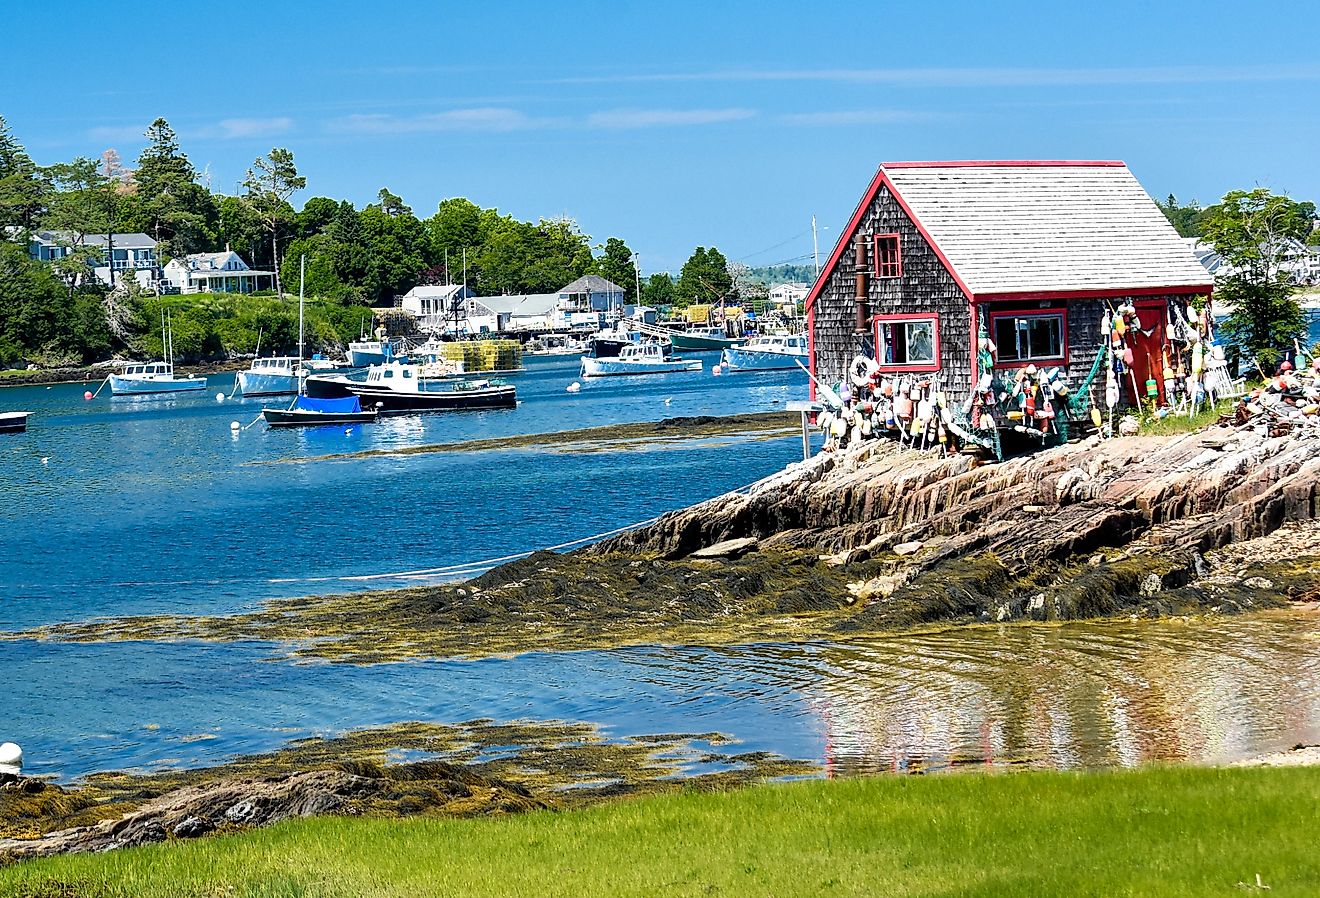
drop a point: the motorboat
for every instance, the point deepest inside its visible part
(364, 353)
(554, 344)
(639, 358)
(151, 378)
(398, 388)
(309, 412)
(270, 377)
(767, 353)
(154, 378)
(703, 339)
(13, 422)
(607, 344)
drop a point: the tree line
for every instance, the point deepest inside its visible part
(56, 312)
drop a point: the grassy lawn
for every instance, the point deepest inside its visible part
(1153, 832)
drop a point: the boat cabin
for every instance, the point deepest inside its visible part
(789, 344)
(395, 374)
(275, 365)
(642, 352)
(147, 369)
(960, 275)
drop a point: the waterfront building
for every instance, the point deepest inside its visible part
(223, 272)
(1028, 255)
(126, 255)
(437, 308)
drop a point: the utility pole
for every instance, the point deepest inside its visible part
(637, 272)
(815, 246)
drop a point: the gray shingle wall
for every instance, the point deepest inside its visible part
(924, 287)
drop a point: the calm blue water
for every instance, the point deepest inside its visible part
(153, 506)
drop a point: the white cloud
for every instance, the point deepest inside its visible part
(117, 133)
(225, 129)
(857, 117)
(478, 119)
(239, 128)
(988, 77)
(659, 118)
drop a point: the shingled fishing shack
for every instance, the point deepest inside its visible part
(1003, 295)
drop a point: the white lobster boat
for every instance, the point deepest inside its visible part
(639, 358)
(151, 378)
(270, 377)
(767, 353)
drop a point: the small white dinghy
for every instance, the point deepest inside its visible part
(640, 358)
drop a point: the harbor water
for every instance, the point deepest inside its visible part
(118, 507)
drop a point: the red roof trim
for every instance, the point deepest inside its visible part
(847, 234)
(1092, 294)
(1011, 163)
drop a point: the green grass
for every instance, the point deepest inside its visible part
(1153, 832)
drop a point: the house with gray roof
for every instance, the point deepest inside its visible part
(1027, 256)
(120, 255)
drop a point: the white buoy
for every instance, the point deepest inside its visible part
(717, 370)
(45, 459)
(574, 387)
(668, 400)
(11, 759)
(219, 397)
(234, 425)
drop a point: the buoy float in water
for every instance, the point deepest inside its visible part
(574, 387)
(717, 370)
(87, 394)
(219, 397)
(234, 425)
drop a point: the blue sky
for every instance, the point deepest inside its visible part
(674, 124)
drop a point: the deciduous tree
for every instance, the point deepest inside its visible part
(1252, 231)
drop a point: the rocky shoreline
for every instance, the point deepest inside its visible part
(473, 769)
(870, 540)
(91, 374)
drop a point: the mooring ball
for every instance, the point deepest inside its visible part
(234, 425)
(574, 387)
(219, 397)
(87, 394)
(717, 370)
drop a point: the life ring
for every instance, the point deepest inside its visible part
(861, 370)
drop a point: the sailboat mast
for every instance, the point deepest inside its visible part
(302, 277)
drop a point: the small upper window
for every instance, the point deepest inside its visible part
(888, 256)
(1029, 338)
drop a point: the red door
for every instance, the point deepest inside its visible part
(1147, 344)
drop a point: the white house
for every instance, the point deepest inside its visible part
(124, 254)
(789, 294)
(526, 311)
(223, 272)
(437, 308)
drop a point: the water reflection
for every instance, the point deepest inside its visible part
(1081, 695)
(1108, 694)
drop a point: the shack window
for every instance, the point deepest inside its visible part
(888, 257)
(908, 342)
(1035, 337)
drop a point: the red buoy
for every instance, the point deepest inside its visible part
(87, 394)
